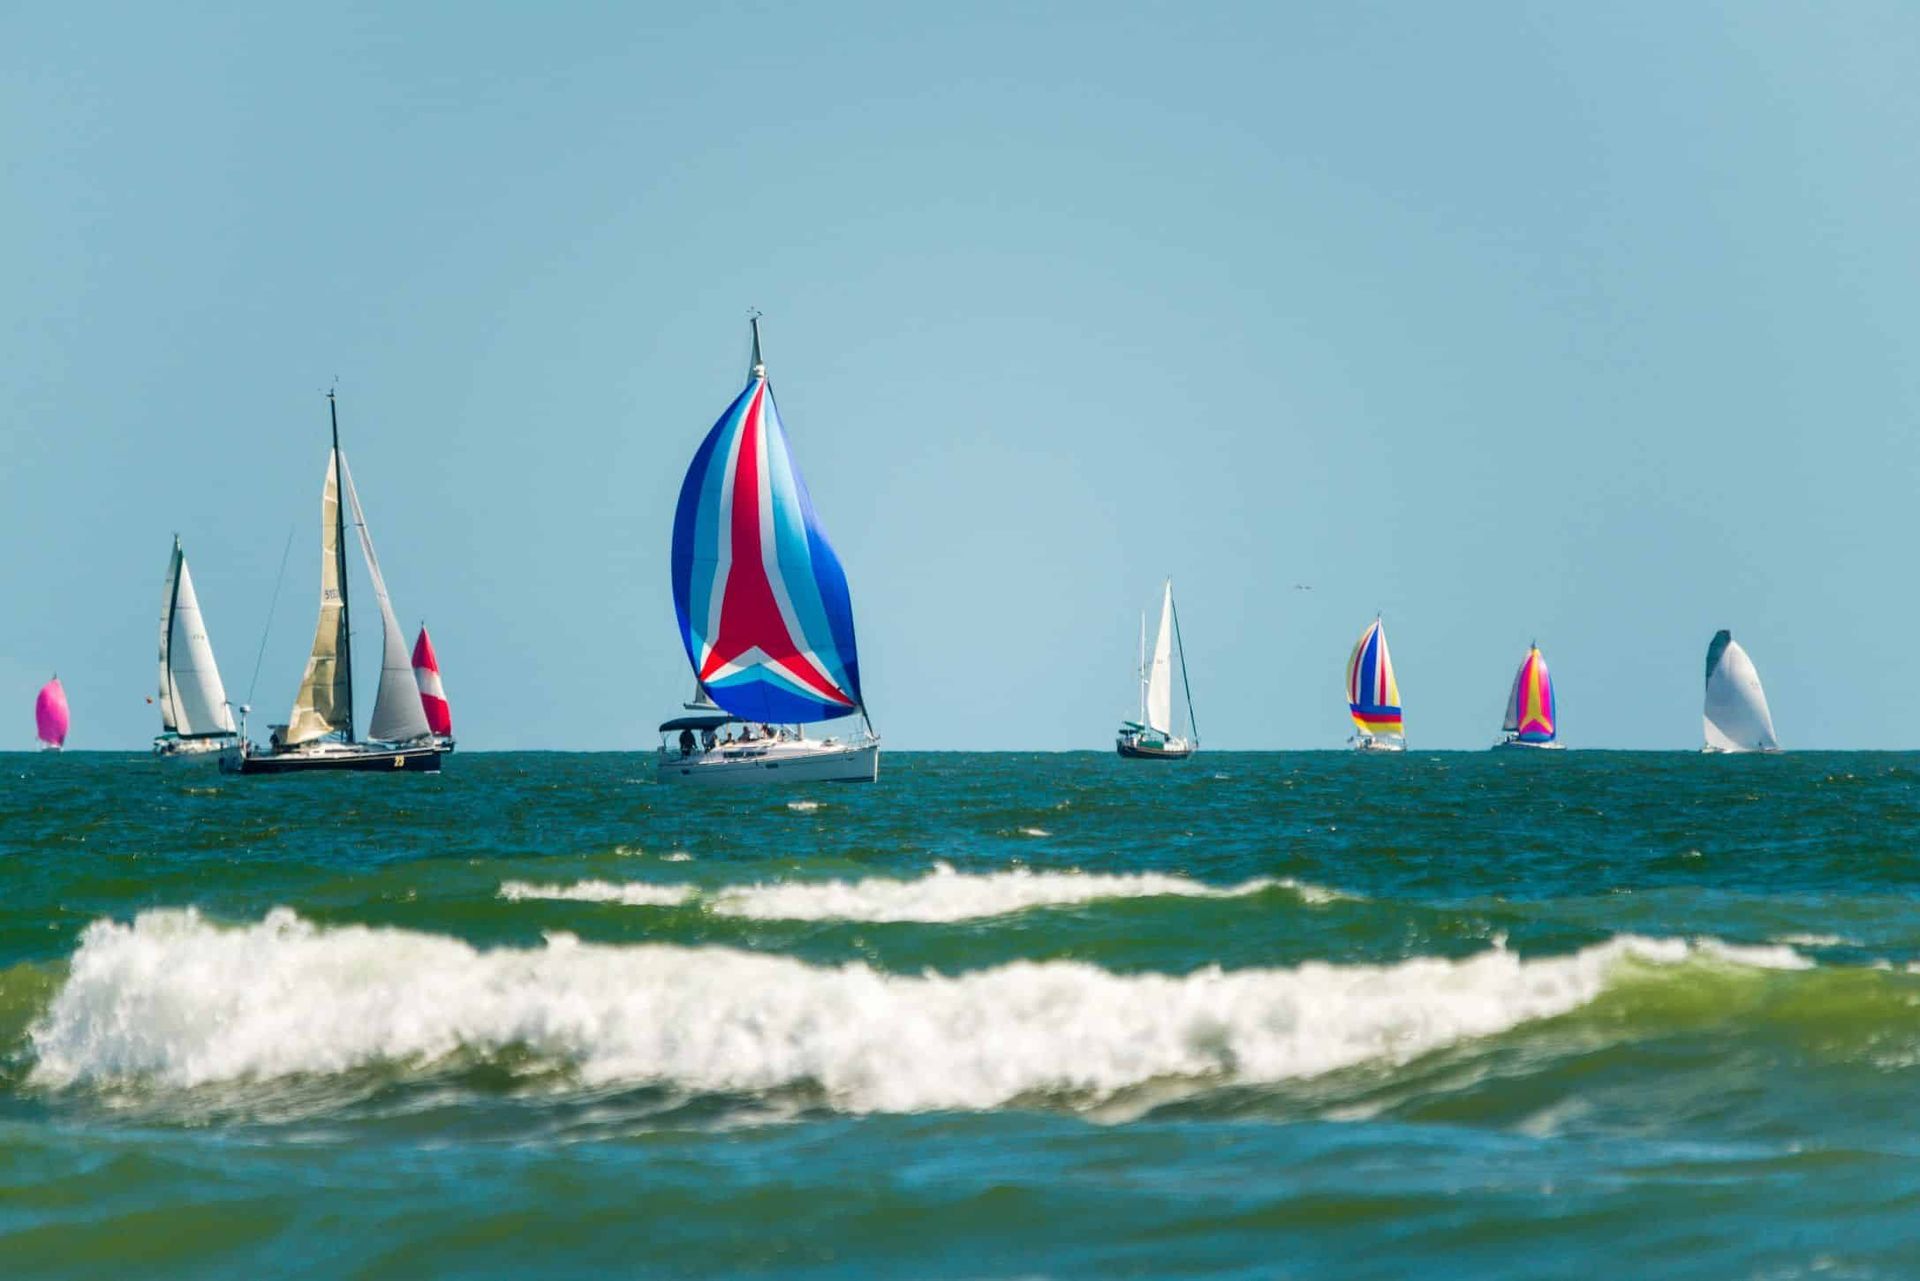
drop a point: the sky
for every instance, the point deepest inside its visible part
(1594, 326)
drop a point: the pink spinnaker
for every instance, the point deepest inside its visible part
(50, 713)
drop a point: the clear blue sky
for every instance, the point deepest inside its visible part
(1595, 325)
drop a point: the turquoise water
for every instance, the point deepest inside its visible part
(1493, 1015)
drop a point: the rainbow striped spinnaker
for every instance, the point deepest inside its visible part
(1373, 695)
(763, 605)
(1531, 716)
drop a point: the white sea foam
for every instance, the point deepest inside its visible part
(631, 893)
(947, 895)
(175, 1000)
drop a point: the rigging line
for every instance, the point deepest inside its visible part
(271, 606)
(1192, 723)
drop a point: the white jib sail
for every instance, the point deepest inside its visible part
(1160, 671)
(397, 714)
(198, 701)
(1736, 715)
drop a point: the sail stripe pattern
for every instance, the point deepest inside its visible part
(433, 695)
(1534, 717)
(1373, 696)
(762, 600)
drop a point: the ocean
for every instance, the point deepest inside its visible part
(1493, 1015)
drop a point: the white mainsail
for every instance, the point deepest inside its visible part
(193, 702)
(324, 704)
(1736, 716)
(1511, 722)
(397, 714)
(1160, 671)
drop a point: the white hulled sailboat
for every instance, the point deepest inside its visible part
(764, 614)
(194, 717)
(319, 735)
(1151, 737)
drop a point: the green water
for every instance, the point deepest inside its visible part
(1493, 1015)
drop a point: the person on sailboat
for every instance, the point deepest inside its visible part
(686, 742)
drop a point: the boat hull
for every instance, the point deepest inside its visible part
(773, 765)
(1136, 751)
(1516, 744)
(359, 758)
(1375, 745)
(168, 749)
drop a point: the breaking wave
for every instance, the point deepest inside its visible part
(175, 1000)
(942, 895)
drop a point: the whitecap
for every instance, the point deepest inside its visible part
(176, 1000)
(631, 893)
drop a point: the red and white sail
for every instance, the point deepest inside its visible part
(433, 695)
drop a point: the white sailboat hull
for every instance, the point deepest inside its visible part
(803, 761)
(1532, 747)
(168, 747)
(1377, 745)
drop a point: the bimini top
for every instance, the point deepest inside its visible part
(705, 720)
(762, 600)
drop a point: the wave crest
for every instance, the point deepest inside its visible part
(174, 999)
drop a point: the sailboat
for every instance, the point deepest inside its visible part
(319, 734)
(764, 613)
(1373, 695)
(50, 715)
(1151, 737)
(1531, 720)
(433, 695)
(194, 717)
(1736, 716)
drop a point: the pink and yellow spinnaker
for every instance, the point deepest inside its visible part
(1530, 707)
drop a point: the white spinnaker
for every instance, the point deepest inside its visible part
(1160, 671)
(166, 638)
(1512, 722)
(1736, 715)
(199, 702)
(397, 714)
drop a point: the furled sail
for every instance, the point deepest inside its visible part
(1736, 716)
(50, 713)
(193, 702)
(1160, 670)
(397, 713)
(1530, 709)
(762, 600)
(324, 704)
(1373, 695)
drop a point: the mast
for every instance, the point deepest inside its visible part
(1193, 725)
(340, 558)
(758, 369)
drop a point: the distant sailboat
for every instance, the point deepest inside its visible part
(1531, 710)
(764, 614)
(194, 717)
(319, 735)
(50, 715)
(1373, 695)
(433, 695)
(1152, 737)
(1736, 716)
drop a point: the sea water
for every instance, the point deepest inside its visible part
(1250, 1015)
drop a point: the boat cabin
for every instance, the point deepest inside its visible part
(700, 733)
